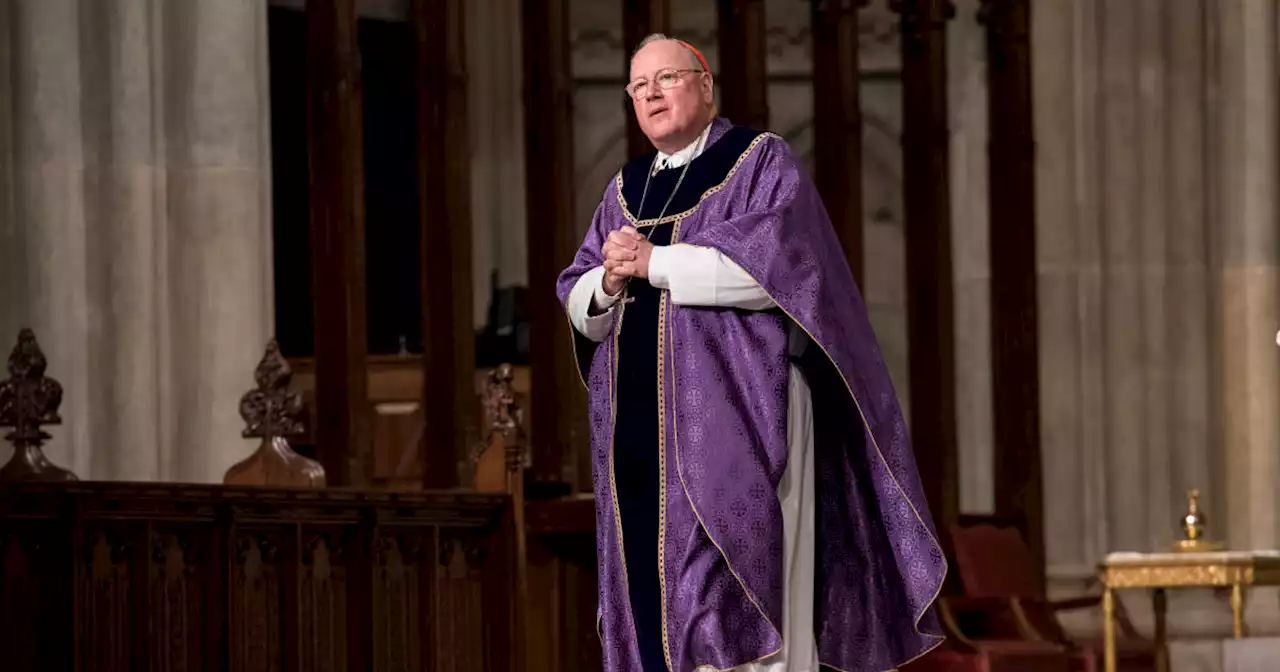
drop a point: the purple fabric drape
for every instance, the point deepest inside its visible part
(723, 400)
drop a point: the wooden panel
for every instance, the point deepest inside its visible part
(36, 631)
(444, 162)
(559, 432)
(640, 18)
(395, 386)
(404, 599)
(397, 378)
(326, 596)
(257, 597)
(499, 567)
(563, 586)
(461, 634)
(743, 76)
(837, 121)
(930, 283)
(177, 600)
(315, 579)
(1014, 349)
(105, 594)
(336, 199)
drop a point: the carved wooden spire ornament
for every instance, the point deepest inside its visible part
(273, 413)
(28, 401)
(505, 443)
(504, 415)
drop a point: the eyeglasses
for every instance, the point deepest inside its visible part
(666, 78)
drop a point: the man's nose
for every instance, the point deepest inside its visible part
(654, 93)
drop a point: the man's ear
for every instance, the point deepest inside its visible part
(708, 88)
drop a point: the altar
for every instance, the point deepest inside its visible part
(1160, 572)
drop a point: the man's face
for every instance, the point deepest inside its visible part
(669, 114)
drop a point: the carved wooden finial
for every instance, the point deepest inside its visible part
(272, 412)
(505, 417)
(500, 406)
(28, 401)
(504, 451)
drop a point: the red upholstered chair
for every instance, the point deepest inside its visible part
(994, 563)
(982, 637)
(998, 657)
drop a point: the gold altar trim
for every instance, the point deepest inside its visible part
(1184, 570)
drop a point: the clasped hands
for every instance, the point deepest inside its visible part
(626, 255)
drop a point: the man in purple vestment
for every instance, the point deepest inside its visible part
(757, 501)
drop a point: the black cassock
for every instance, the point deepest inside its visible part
(636, 430)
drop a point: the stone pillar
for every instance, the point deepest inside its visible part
(1156, 126)
(1120, 119)
(967, 94)
(1191, 389)
(135, 235)
(1122, 139)
(1247, 252)
(1059, 46)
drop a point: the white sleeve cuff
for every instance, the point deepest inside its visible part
(703, 276)
(602, 301)
(661, 259)
(594, 327)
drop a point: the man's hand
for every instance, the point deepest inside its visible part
(626, 255)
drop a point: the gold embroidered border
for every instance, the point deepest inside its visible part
(640, 223)
(663, 297)
(613, 481)
(622, 203)
(848, 387)
(573, 349)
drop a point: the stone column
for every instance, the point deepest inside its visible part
(1247, 252)
(136, 236)
(1156, 171)
(967, 91)
(1191, 388)
(1124, 138)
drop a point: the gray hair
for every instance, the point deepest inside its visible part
(661, 37)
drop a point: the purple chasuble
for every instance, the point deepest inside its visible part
(722, 385)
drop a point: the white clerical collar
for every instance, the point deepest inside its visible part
(689, 153)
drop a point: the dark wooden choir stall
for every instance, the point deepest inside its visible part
(169, 576)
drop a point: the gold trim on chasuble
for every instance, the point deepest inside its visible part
(622, 201)
(613, 481)
(664, 300)
(857, 404)
(679, 217)
(664, 297)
